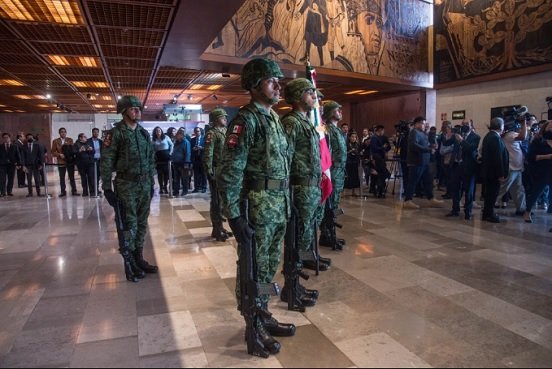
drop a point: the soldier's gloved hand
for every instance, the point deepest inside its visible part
(241, 229)
(111, 197)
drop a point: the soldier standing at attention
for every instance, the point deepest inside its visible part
(332, 115)
(128, 152)
(253, 182)
(305, 175)
(214, 145)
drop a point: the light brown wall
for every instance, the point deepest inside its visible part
(387, 111)
(38, 124)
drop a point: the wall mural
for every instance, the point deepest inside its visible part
(380, 38)
(479, 37)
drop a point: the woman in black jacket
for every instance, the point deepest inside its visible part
(540, 167)
(352, 179)
(84, 154)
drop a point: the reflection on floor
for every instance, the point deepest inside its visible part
(410, 289)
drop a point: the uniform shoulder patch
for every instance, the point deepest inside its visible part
(108, 139)
(232, 141)
(237, 129)
(209, 138)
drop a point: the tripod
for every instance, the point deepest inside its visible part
(395, 171)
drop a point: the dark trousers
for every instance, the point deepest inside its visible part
(404, 174)
(97, 163)
(33, 171)
(163, 174)
(537, 188)
(21, 178)
(70, 170)
(415, 174)
(462, 183)
(86, 172)
(7, 175)
(181, 178)
(216, 208)
(200, 180)
(492, 189)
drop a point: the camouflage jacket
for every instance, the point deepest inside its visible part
(304, 144)
(214, 145)
(129, 153)
(338, 146)
(256, 149)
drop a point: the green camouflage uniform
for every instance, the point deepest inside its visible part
(305, 174)
(256, 150)
(130, 153)
(214, 146)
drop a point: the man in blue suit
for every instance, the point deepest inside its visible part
(198, 145)
(464, 166)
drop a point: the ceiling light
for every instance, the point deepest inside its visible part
(119, 97)
(59, 60)
(285, 108)
(87, 61)
(354, 92)
(10, 82)
(48, 96)
(15, 10)
(43, 106)
(196, 87)
(3, 106)
(90, 84)
(23, 97)
(368, 92)
(145, 107)
(55, 11)
(108, 98)
(214, 87)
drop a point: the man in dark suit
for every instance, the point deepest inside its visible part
(21, 176)
(198, 145)
(9, 159)
(33, 162)
(97, 144)
(463, 169)
(495, 167)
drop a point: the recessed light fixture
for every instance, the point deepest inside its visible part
(48, 96)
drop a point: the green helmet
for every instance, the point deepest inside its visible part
(329, 107)
(258, 70)
(295, 89)
(126, 102)
(216, 114)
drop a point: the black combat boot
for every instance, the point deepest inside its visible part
(269, 343)
(138, 272)
(303, 299)
(228, 233)
(127, 257)
(310, 293)
(327, 243)
(142, 264)
(310, 264)
(274, 327)
(326, 261)
(219, 235)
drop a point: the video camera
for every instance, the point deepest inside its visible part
(403, 127)
(514, 117)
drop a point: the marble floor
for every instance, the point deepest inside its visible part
(410, 289)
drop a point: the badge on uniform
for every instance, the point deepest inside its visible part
(208, 138)
(232, 141)
(237, 129)
(108, 139)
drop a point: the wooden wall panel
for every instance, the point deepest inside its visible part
(37, 124)
(388, 111)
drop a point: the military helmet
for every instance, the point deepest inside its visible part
(295, 89)
(216, 114)
(257, 70)
(329, 108)
(126, 102)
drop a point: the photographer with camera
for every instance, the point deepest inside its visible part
(401, 148)
(379, 147)
(463, 169)
(515, 134)
(419, 153)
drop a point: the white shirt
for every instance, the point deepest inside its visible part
(514, 149)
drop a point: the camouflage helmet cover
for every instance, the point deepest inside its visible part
(295, 89)
(329, 107)
(258, 70)
(126, 102)
(217, 113)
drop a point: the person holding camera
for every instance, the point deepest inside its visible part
(379, 147)
(540, 167)
(85, 164)
(419, 153)
(463, 169)
(515, 135)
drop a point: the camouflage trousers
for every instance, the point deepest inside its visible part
(338, 182)
(135, 199)
(307, 201)
(216, 207)
(269, 239)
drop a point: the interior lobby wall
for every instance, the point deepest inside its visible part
(386, 111)
(478, 99)
(35, 123)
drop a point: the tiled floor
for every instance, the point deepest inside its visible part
(411, 289)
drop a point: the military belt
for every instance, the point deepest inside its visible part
(305, 181)
(133, 177)
(267, 184)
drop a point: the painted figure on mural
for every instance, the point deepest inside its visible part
(316, 27)
(370, 25)
(336, 14)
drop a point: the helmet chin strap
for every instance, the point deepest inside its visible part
(265, 97)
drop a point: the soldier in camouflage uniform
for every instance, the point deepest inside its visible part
(128, 152)
(338, 146)
(305, 175)
(214, 145)
(255, 171)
